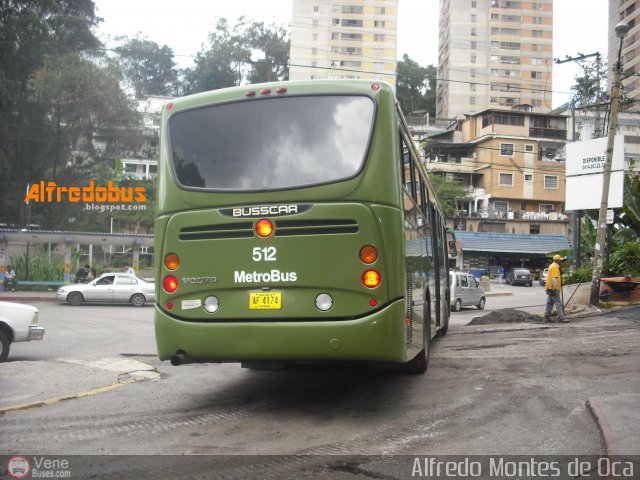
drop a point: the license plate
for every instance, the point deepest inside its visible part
(265, 300)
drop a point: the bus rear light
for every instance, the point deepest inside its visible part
(170, 284)
(368, 254)
(170, 306)
(211, 304)
(264, 228)
(324, 302)
(265, 91)
(281, 90)
(250, 93)
(371, 279)
(171, 261)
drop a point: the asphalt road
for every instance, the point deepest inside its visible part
(515, 389)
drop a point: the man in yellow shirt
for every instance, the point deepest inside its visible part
(554, 288)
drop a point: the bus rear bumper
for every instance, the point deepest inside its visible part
(380, 336)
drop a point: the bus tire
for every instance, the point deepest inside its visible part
(420, 362)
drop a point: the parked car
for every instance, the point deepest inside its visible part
(519, 276)
(18, 323)
(543, 277)
(465, 291)
(109, 288)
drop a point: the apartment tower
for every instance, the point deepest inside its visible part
(494, 54)
(627, 11)
(343, 39)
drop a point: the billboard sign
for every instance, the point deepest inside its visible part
(585, 172)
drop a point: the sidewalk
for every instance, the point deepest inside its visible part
(28, 297)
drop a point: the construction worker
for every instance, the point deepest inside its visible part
(554, 289)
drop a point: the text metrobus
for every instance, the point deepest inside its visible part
(296, 223)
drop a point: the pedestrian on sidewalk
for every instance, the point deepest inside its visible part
(554, 289)
(10, 279)
(501, 273)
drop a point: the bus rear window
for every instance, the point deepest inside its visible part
(274, 143)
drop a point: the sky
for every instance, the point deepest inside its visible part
(580, 26)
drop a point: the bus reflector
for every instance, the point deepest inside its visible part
(368, 254)
(169, 305)
(170, 284)
(371, 279)
(264, 228)
(373, 302)
(171, 261)
(324, 302)
(211, 304)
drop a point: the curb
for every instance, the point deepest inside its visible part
(605, 428)
(26, 299)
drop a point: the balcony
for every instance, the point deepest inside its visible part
(541, 132)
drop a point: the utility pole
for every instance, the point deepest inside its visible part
(601, 229)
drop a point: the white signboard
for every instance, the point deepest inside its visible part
(585, 168)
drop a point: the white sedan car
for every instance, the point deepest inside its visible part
(18, 323)
(109, 288)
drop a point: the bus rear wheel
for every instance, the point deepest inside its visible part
(420, 362)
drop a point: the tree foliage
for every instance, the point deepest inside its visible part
(416, 86)
(448, 192)
(228, 58)
(149, 69)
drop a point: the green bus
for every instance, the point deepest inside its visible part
(295, 223)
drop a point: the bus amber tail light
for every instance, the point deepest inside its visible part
(171, 261)
(368, 254)
(371, 279)
(170, 284)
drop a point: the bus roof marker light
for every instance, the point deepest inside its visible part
(281, 90)
(265, 91)
(169, 106)
(264, 228)
(375, 87)
(371, 279)
(250, 93)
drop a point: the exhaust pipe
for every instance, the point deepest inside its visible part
(181, 358)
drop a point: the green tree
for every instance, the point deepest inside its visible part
(220, 63)
(448, 192)
(270, 44)
(31, 32)
(149, 69)
(416, 86)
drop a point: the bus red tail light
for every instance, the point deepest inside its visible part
(264, 228)
(368, 254)
(170, 284)
(171, 261)
(371, 279)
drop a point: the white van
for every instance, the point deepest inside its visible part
(465, 291)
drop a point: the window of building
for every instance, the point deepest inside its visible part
(472, 87)
(534, 229)
(537, 33)
(474, 32)
(536, 75)
(473, 59)
(352, 9)
(506, 149)
(537, 6)
(378, 23)
(378, 66)
(511, 60)
(335, 36)
(473, 45)
(378, 37)
(528, 148)
(551, 182)
(501, 205)
(538, 20)
(315, 37)
(315, 22)
(505, 180)
(316, 9)
(537, 47)
(474, 18)
(314, 51)
(509, 4)
(352, 36)
(474, 4)
(472, 100)
(349, 22)
(528, 177)
(380, 10)
(511, 18)
(378, 52)
(335, 21)
(472, 73)
(545, 207)
(537, 61)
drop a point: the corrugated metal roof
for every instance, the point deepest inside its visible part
(511, 242)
